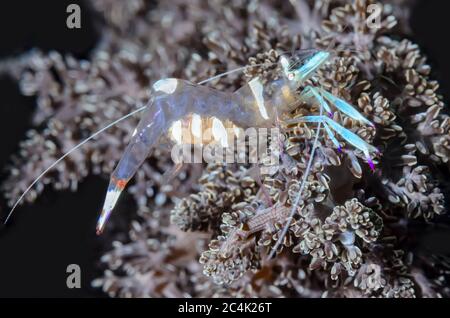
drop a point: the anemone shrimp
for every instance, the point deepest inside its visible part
(256, 104)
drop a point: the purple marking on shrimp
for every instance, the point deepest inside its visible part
(371, 164)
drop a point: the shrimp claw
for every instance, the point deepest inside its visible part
(348, 135)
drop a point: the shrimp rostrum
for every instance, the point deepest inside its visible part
(253, 105)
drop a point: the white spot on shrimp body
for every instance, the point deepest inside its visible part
(167, 85)
(177, 133)
(196, 127)
(257, 90)
(285, 64)
(219, 132)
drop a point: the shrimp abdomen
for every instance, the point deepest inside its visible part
(172, 99)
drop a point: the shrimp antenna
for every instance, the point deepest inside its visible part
(98, 132)
(68, 153)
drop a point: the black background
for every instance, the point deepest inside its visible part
(59, 229)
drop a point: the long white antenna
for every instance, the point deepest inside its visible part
(105, 128)
(68, 153)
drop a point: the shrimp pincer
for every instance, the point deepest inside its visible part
(253, 105)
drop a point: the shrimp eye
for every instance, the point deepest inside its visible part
(285, 64)
(303, 63)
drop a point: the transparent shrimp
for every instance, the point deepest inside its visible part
(100, 131)
(253, 105)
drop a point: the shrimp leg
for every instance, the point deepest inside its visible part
(341, 105)
(344, 107)
(348, 135)
(332, 137)
(310, 92)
